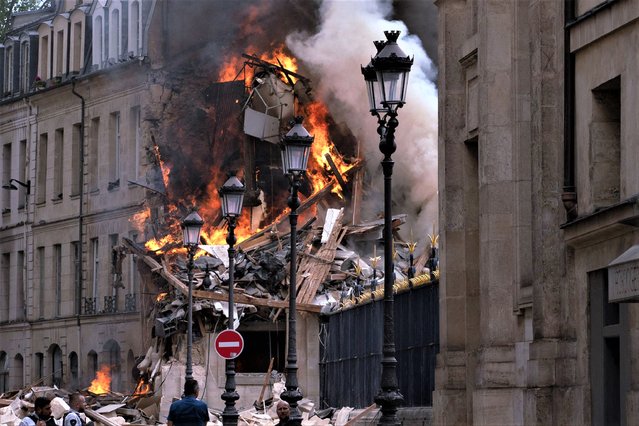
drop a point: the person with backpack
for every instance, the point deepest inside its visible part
(41, 414)
(77, 405)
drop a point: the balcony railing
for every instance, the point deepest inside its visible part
(90, 305)
(110, 304)
(130, 302)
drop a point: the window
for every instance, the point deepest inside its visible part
(6, 175)
(94, 145)
(5, 285)
(25, 65)
(605, 149)
(98, 49)
(116, 271)
(44, 58)
(114, 150)
(20, 280)
(59, 57)
(609, 353)
(114, 35)
(77, 46)
(134, 28)
(9, 70)
(58, 164)
(57, 278)
(41, 283)
(76, 170)
(137, 145)
(95, 269)
(22, 171)
(42, 169)
(75, 272)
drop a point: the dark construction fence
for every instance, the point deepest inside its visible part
(351, 350)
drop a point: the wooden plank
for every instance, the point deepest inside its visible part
(360, 415)
(317, 271)
(97, 417)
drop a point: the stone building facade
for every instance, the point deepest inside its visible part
(86, 86)
(538, 212)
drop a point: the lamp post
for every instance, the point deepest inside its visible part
(296, 147)
(232, 195)
(191, 227)
(386, 78)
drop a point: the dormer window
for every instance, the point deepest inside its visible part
(114, 36)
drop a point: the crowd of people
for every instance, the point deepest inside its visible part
(187, 411)
(42, 413)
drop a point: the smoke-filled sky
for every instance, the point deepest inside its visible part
(335, 50)
(331, 39)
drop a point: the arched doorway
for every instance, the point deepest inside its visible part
(17, 372)
(4, 372)
(73, 371)
(56, 371)
(111, 356)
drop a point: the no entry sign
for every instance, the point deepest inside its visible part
(229, 344)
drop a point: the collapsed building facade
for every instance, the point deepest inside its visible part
(114, 124)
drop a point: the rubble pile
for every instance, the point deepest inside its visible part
(331, 273)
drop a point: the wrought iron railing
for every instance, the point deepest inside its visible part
(90, 305)
(130, 302)
(110, 304)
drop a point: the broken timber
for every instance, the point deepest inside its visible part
(239, 298)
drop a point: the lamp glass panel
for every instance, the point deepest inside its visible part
(297, 157)
(191, 235)
(390, 86)
(232, 204)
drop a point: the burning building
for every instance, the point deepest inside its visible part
(116, 121)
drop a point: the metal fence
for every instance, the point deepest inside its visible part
(351, 350)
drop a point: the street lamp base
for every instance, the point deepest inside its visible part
(230, 414)
(292, 397)
(389, 401)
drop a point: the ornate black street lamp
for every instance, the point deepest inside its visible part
(191, 227)
(232, 195)
(296, 147)
(387, 80)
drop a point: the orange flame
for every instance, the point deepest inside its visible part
(142, 388)
(139, 219)
(161, 297)
(102, 382)
(317, 124)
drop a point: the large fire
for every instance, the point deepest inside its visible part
(319, 171)
(102, 383)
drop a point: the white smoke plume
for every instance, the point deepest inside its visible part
(344, 41)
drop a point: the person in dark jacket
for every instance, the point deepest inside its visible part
(188, 411)
(41, 415)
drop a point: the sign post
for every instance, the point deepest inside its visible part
(229, 344)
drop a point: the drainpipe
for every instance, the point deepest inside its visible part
(569, 195)
(81, 209)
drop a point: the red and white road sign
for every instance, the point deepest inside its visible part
(229, 344)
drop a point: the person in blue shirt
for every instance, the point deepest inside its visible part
(189, 411)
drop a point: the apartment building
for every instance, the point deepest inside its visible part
(74, 84)
(538, 212)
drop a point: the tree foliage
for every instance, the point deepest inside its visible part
(7, 7)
